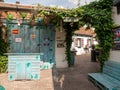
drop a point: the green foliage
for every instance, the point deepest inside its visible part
(68, 40)
(23, 15)
(97, 47)
(99, 15)
(9, 17)
(69, 29)
(60, 14)
(3, 64)
(3, 44)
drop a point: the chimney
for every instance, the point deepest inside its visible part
(17, 2)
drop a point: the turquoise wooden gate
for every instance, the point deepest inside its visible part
(47, 45)
(33, 39)
(26, 41)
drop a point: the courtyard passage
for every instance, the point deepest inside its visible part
(75, 78)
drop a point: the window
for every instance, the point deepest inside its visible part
(78, 42)
(89, 42)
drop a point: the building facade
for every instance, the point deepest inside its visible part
(84, 38)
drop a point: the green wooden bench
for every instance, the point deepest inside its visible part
(109, 79)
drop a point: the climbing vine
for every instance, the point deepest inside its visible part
(3, 49)
(3, 43)
(69, 29)
(68, 40)
(99, 15)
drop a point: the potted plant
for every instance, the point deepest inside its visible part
(23, 15)
(9, 17)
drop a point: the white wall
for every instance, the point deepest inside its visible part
(60, 52)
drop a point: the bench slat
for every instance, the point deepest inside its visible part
(112, 64)
(113, 72)
(107, 81)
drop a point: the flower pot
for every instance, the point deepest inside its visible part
(23, 15)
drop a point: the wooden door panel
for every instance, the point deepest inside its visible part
(47, 44)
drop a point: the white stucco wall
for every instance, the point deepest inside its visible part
(60, 51)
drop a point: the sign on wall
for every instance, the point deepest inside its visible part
(116, 45)
(18, 39)
(15, 31)
(32, 35)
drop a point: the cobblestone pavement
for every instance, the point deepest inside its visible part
(75, 78)
(44, 83)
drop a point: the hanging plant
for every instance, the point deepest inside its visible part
(24, 15)
(9, 17)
